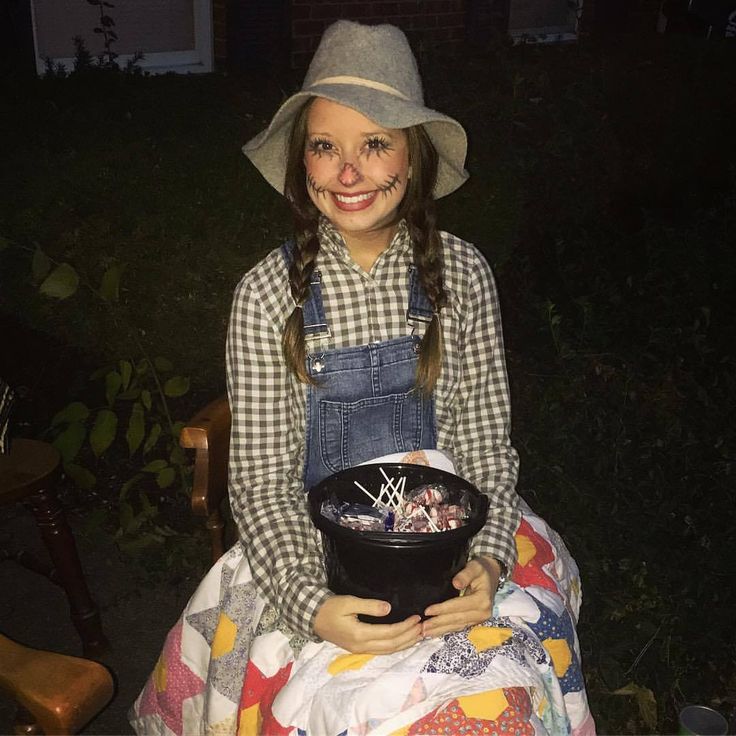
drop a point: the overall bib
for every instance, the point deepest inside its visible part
(365, 403)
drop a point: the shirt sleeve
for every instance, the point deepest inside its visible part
(482, 445)
(265, 477)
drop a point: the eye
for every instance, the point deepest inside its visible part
(377, 144)
(318, 146)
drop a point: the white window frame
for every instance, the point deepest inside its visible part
(199, 60)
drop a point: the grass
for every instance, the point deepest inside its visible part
(603, 190)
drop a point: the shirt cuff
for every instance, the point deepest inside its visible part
(496, 538)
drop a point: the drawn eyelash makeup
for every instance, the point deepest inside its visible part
(312, 184)
(378, 145)
(389, 185)
(320, 147)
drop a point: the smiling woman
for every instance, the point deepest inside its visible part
(357, 174)
(371, 334)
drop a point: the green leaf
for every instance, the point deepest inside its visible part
(61, 283)
(147, 508)
(176, 386)
(74, 412)
(113, 382)
(152, 438)
(128, 485)
(81, 476)
(177, 456)
(40, 265)
(176, 429)
(127, 518)
(70, 441)
(136, 428)
(132, 394)
(4, 243)
(163, 364)
(146, 399)
(142, 367)
(103, 431)
(126, 371)
(645, 701)
(110, 283)
(155, 466)
(166, 477)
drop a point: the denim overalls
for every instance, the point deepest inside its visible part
(365, 403)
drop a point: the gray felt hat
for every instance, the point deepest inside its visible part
(372, 70)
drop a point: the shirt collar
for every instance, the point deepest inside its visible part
(332, 242)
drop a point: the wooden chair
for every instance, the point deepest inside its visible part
(208, 434)
(55, 693)
(28, 473)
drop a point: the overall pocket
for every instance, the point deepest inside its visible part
(352, 432)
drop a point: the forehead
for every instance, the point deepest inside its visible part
(326, 116)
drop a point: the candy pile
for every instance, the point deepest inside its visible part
(426, 508)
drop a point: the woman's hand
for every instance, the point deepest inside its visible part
(479, 581)
(337, 621)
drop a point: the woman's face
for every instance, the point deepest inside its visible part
(356, 170)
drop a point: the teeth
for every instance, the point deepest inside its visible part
(355, 198)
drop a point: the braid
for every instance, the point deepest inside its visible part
(300, 274)
(306, 219)
(421, 219)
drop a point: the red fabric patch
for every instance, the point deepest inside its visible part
(532, 573)
(450, 719)
(257, 688)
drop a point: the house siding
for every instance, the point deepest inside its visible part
(436, 22)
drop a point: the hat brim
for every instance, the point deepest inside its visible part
(268, 150)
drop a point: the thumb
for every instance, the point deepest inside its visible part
(461, 580)
(369, 606)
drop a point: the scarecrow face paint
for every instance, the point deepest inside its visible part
(356, 172)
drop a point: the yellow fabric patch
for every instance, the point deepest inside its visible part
(224, 639)
(485, 637)
(488, 705)
(159, 674)
(404, 730)
(575, 586)
(250, 721)
(543, 707)
(525, 548)
(560, 653)
(348, 662)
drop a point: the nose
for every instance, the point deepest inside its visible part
(349, 176)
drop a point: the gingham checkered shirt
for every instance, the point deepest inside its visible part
(268, 404)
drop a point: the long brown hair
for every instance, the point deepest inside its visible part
(416, 207)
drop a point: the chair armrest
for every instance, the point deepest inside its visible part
(62, 693)
(208, 434)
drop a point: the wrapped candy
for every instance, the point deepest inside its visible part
(424, 509)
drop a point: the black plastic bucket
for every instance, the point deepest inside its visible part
(409, 570)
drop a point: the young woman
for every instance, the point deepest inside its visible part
(371, 333)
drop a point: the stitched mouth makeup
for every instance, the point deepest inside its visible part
(355, 201)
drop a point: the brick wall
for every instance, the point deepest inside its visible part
(436, 22)
(219, 31)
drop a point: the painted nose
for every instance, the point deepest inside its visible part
(349, 176)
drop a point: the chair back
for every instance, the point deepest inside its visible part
(7, 399)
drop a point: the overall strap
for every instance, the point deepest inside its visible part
(313, 310)
(420, 308)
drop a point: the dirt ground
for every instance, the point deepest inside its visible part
(135, 618)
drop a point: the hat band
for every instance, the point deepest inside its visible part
(360, 82)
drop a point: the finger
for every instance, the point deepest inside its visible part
(462, 603)
(440, 625)
(387, 632)
(397, 643)
(465, 577)
(366, 606)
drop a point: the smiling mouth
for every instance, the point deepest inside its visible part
(352, 202)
